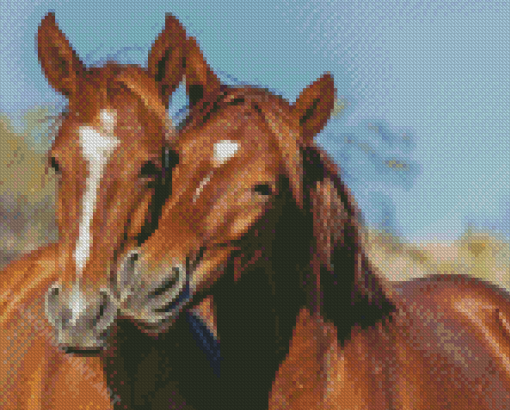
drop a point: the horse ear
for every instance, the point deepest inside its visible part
(59, 61)
(200, 79)
(166, 58)
(314, 105)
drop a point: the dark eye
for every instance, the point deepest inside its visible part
(55, 165)
(170, 158)
(263, 189)
(149, 171)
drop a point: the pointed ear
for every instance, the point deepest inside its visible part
(166, 58)
(314, 105)
(200, 79)
(59, 61)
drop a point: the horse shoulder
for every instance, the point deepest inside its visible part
(34, 374)
(320, 373)
(381, 367)
(447, 342)
(299, 381)
(16, 277)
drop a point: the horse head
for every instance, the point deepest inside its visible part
(237, 192)
(113, 166)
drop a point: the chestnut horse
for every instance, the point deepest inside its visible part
(261, 227)
(260, 231)
(113, 167)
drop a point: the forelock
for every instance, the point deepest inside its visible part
(142, 86)
(287, 138)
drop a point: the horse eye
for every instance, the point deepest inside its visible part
(170, 158)
(263, 189)
(55, 165)
(149, 171)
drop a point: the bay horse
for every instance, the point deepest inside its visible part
(113, 171)
(261, 231)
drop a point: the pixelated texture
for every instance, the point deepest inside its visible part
(27, 193)
(264, 226)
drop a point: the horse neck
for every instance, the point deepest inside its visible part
(290, 272)
(171, 368)
(257, 301)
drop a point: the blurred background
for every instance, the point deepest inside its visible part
(421, 127)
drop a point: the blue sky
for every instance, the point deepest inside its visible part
(438, 71)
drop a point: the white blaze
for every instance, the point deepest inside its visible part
(78, 304)
(223, 151)
(97, 148)
(108, 120)
(201, 186)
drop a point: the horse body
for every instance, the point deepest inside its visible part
(112, 168)
(268, 232)
(111, 165)
(259, 231)
(447, 345)
(34, 373)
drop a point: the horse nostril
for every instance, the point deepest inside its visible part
(51, 303)
(106, 313)
(54, 290)
(103, 305)
(133, 256)
(65, 349)
(167, 284)
(127, 272)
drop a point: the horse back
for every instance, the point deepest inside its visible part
(460, 328)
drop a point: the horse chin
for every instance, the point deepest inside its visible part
(153, 330)
(156, 325)
(160, 320)
(91, 346)
(84, 351)
(128, 278)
